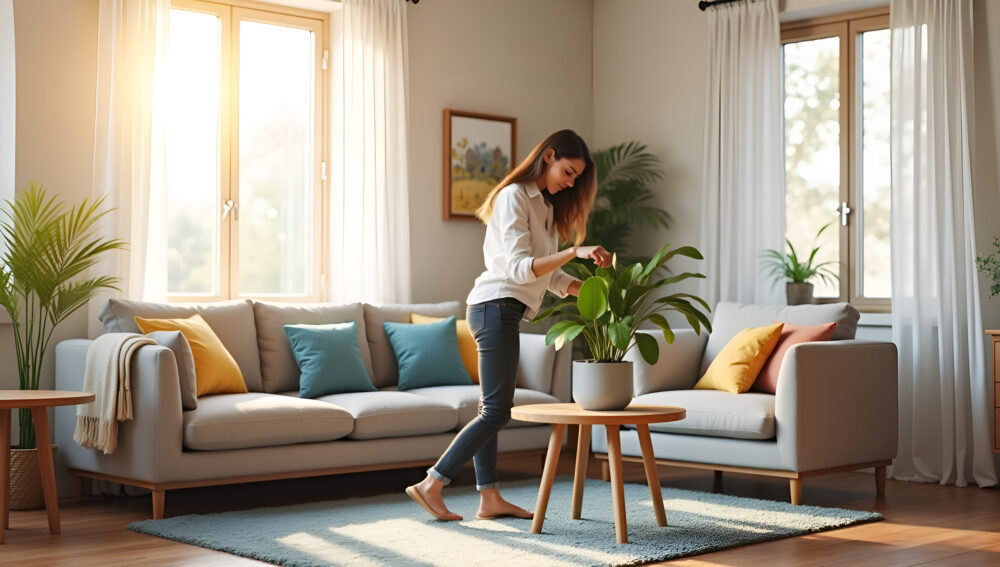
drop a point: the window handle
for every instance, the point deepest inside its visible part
(843, 210)
(230, 205)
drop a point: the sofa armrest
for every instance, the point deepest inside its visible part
(146, 444)
(836, 404)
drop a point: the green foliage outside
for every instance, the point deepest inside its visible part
(613, 304)
(990, 265)
(48, 249)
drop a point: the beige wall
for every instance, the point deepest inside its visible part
(521, 58)
(56, 61)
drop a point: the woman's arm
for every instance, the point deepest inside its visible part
(545, 264)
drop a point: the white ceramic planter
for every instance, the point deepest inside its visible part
(602, 385)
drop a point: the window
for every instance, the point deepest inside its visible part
(837, 170)
(244, 100)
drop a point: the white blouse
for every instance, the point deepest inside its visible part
(520, 229)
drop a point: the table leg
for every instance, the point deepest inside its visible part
(4, 471)
(46, 467)
(617, 482)
(548, 475)
(580, 474)
(652, 478)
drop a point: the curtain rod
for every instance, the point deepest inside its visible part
(705, 4)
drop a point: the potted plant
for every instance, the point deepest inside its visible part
(989, 265)
(797, 272)
(47, 249)
(611, 307)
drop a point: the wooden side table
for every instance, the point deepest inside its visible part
(561, 415)
(996, 389)
(38, 401)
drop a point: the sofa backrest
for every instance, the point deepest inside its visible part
(232, 321)
(278, 369)
(384, 363)
(731, 318)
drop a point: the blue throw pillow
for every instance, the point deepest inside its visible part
(329, 358)
(427, 354)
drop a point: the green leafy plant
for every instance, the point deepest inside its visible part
(614, 303)
(990, 266)
(48, 248)
(790, 267)
(624, 173)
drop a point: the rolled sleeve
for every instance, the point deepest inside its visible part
(510, 212)
(560, 282)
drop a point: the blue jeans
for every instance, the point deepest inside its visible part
(495, 326)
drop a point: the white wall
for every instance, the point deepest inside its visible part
(521, 58)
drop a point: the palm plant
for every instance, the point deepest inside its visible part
(614, 303)
(624, 173)
(795, 270)
(47, 248)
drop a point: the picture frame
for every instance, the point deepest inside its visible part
(479, 150)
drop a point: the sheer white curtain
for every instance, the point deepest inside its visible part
(7, 100)
(944, 401)
(370, 223)
(743, 196)
(128, 145)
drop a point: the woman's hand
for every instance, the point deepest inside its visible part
(598, 254)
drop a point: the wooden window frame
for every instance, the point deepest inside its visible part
(231, 13)
(847, 27)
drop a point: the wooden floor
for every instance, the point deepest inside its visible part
(927, 525)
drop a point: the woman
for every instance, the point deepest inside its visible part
(549, 195)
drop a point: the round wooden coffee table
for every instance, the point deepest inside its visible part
(37, 401)
(561, 415)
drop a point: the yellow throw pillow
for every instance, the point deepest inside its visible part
(737, 366)
(466, 343)
(215, 369)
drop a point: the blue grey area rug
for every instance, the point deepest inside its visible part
(393, 530)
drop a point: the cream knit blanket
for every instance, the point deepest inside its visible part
(107, 377)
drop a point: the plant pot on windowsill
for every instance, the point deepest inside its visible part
(602, 386)
(26, 479)
(797, 293)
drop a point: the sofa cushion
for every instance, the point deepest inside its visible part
(465, 399)
(329, 358)
(278, 369)
(175, 341)
(677, 366)
(240, 421)
(537, 363)
(394, 414)
(714, 413)
(232, 321)
(467, 347)
(731, 318)
(740, 361)
(427, 354)
(386, 372)
(791, 335)
(216, 372)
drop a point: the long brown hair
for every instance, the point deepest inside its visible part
(571, 207)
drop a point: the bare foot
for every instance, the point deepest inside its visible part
(492, 505)
(427, 493)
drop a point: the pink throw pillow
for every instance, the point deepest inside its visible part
(791, 335)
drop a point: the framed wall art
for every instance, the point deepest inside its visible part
(479, 150)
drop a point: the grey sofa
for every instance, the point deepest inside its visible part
(270, 433)
(835, 407)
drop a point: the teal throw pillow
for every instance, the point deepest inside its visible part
(329, 358)
(427, 354)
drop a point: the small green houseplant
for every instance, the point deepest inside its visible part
(48, 247)
(612, 305)
(797, 271)
(990, 265)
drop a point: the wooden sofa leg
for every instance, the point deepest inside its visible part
(77, 488)
(605, 470)
(795, 487)
(880, 480)
(158, 501)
